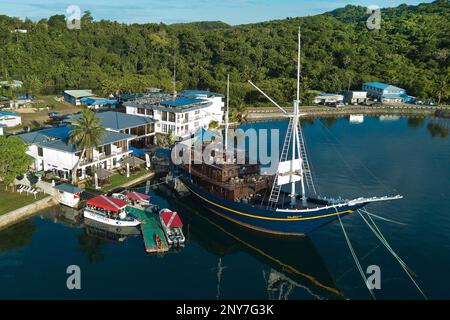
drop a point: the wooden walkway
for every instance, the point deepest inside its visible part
(150, 227)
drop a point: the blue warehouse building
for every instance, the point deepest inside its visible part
(387, 93)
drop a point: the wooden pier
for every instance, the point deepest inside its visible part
(151, 227)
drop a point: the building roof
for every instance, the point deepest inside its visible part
(193, 93)
(171, 219)
(136, 196)
(58, 138)
(68, 188)
(108, 203)
(98, 101)
(182, 102)
(79, 93)
(119, 120)
(382, 86)
(8, 114)
(46, 134)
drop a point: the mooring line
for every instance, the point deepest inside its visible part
(355, 258)
(382, 218)
(383, 240)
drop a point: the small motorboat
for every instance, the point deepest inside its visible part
(172, 226)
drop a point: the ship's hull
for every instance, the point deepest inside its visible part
(286, 222)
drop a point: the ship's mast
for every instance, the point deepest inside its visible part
(294, 171)
(227, 113)
(296, 117)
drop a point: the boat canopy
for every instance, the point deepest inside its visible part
(107, 203)
(136, 196)
(171, 219)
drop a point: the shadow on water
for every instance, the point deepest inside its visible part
(293, 262)
(17, 236)
(438, 129)
(94, 236)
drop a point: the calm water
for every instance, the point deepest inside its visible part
(406, 156)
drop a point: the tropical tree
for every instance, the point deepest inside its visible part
(13, 159)
(87, 134)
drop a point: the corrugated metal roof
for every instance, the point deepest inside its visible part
(99, 101)
(119, 120)
(183, 102)
(382, 86)
(79, 93)
(68, 188)
(58, 138)
(191, 93)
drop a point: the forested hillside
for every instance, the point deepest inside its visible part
(411, 50)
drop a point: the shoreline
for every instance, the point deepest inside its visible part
(10, 218)
(255, 114)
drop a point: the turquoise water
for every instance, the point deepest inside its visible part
(406, 156)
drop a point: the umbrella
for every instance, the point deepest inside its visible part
(102, 174)
(133, 161)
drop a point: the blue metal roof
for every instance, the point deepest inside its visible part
(58, 138)
(5, 113)
(119, 120)
(182, 102)
(46, 134)
(98, 101)
(382, 86)
(189, 93)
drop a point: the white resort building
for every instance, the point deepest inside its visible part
(52, 151)
(184, 115)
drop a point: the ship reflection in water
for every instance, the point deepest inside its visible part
(292, 262)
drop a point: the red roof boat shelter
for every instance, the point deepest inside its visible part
(107, 203)
(171, 219)
(136, 196)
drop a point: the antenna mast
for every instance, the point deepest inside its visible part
(174, 75)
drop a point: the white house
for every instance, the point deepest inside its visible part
(355, 97)
(10, 119)
(183, 115)
(52, 151)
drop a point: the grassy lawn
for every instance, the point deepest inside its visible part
(13, 200)
(116, 181)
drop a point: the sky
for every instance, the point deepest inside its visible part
(175, 11)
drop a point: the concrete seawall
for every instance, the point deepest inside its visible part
(273, 113)
(23, 213)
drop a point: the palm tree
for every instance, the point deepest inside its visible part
(87, 134)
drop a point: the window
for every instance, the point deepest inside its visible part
(164, 115)
(40, 152)
(141, 111)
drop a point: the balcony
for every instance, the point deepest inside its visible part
(102, 156)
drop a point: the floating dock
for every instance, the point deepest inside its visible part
(150, 227)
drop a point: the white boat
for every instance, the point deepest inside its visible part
(110, 211)
(172, 226)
